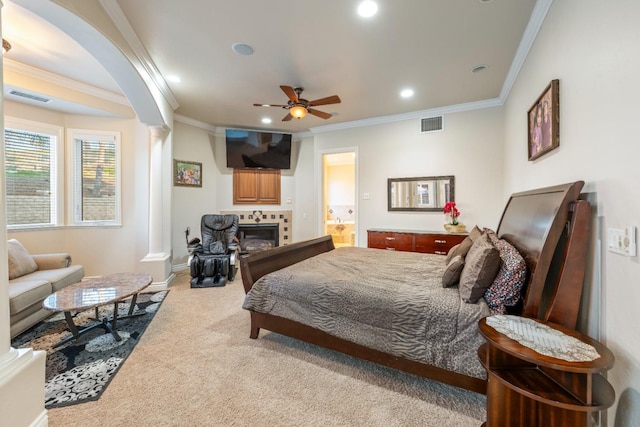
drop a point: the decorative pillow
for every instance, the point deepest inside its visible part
(460, 249)
(506, 287)
(475, 233)
(463, 247)
(20, 261)
(480, 268)
(451, 275)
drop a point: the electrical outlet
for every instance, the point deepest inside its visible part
(622, 240)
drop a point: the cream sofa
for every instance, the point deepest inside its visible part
(32, 278)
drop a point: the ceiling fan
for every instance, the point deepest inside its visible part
(299, 107)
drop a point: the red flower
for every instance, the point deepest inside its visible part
(451, 210)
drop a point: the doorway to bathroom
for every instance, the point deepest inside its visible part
(339, 197)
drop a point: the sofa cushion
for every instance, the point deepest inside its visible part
(23, 294)
(59, 277)
(20, 261)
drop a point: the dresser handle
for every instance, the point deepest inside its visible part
(441, 241)
(390, 238)
(440, 253)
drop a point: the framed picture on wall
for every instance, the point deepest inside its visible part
(187, 174)
(543, 120)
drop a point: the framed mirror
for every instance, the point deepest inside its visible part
(427, 193)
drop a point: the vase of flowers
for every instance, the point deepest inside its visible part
(452, 213)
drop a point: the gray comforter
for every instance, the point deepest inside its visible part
(389, 301)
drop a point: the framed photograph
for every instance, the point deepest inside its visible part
(187, 174)
(543, 119)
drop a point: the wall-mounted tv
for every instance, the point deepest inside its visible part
(255, 149)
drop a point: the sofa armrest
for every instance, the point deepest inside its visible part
(52, 261)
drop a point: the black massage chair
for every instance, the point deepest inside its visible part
(215, 260)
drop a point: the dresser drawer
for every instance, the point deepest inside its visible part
(437, 243)
(390, 241)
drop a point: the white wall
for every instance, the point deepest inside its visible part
(470, 148)
(98, 250)
(593, 47)
(194, 143)
(190, 203)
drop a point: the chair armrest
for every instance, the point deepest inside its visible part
(52, 261)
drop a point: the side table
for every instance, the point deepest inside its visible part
(528, 389)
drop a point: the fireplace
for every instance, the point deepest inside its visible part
(257, 237)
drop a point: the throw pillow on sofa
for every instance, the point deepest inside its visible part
(20, 261)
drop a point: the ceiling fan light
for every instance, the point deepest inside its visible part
(298, 111)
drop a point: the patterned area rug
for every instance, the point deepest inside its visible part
(81, 369)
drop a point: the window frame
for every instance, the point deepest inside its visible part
(57, 188)
(73, 199)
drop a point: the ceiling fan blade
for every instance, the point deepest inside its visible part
(335, 99)
(269, 105)
(287, 118)
(318, 113)
(288, 90)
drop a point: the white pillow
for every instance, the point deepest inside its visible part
(20, 261)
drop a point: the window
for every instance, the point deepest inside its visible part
(96, 177)
(32, 170)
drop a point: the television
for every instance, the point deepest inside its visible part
(258, 150)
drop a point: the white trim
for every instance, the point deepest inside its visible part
(58, 162)
(72, 190)
(161, 286)
(319, 178)
(119, 19)
(49, 77)
(439, 111)
(179, 267)
(197, 123)
(528, 37)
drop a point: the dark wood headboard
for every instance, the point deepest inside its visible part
(550, 228)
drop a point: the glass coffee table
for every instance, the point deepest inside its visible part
(94, 293)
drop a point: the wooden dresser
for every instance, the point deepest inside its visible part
(432, 242)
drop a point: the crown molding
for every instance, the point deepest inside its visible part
(57, 79)
(114, 11)
(538, 15)
(457, 108)
(196, 123)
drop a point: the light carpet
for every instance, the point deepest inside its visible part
(196, 366)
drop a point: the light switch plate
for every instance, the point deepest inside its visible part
(622, 240)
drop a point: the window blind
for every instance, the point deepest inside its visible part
(30, 177)
(95, 180)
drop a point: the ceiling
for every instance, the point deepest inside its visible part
(427, 45)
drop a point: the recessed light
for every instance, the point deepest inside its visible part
(173, 78)
(478, 69)
(367, 9)
(266, 120)
(406, 93)
(242, 49)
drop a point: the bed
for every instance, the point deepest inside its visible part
(390, 307)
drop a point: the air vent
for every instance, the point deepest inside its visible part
(29, 96)
(432, 124)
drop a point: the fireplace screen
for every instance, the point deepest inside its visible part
(257, 237)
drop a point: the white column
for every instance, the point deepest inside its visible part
(21, 371)
(155, 190)
(157, 262)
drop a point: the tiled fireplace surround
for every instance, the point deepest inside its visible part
(282, 218)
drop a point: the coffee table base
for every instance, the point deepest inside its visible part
(108, 324)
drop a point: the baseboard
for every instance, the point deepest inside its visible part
(179, 267)
(161, 286)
